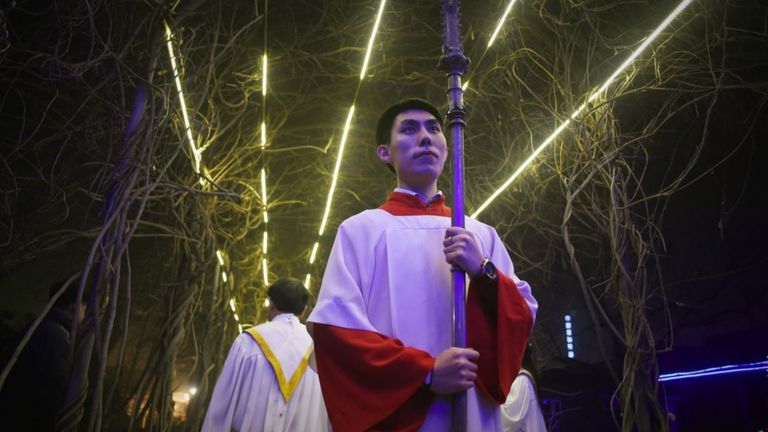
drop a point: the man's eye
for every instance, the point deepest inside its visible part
(409, 129)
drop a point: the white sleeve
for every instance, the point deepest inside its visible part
(521, 410)
(340, 302)
(232, 402)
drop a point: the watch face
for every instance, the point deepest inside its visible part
(489, 271)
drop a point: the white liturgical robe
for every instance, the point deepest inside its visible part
(265, 384)
(387, 278)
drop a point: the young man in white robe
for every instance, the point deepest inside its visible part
(265, 384)
(382, 323)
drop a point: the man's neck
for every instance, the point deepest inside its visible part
(427, 191)
(277, 314)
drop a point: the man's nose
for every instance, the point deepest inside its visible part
(424, 138)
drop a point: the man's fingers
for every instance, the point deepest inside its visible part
(470, 353)
(465, 352)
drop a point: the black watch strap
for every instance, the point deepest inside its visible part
(487, 272)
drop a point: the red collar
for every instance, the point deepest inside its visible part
(402, 204)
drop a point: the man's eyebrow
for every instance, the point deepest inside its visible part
(411, 122)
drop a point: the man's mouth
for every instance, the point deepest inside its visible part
(426, 153)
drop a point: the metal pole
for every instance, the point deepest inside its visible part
(454, 64)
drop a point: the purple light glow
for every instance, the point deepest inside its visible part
(720, 370)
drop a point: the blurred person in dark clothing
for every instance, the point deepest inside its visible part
(36, 388)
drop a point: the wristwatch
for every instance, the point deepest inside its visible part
(487, 272)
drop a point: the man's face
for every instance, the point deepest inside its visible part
(417, 149)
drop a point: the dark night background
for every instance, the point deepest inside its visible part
(694, 103)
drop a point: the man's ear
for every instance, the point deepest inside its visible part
(382, 151)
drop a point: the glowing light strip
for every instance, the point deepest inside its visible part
(350, 115)
(232, 304)
(591, 98)
(237, 318)
(720, 370)
(520, 169)
(264, 246)
(679, 9)
(239, 327)
(263, 135)
(220, 256)
(196, 154)
(495, 33)
(501, 23)
(264, 186)
(264, 193)
(373, 37)
(224, 277)
(265, 272)
(314, 253)
(336, 170)
(306, 280)
(264, 74)
(569, 336)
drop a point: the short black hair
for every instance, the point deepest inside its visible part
(288, 295)
(384, 125)
(69, 297)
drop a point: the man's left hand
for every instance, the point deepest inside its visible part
(461, 249)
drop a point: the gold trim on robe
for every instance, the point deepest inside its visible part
(287, 387)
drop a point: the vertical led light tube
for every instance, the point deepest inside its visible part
(196, 154)
(263, 135)
(569, 336)
(264, 84)
(264, 75)
(265, 272)
(264, 193)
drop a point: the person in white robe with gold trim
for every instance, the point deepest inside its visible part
(265, 384)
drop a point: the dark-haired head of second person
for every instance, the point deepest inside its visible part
(287, 295)
(67, 303)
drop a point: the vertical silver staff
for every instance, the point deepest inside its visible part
(454, 64)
